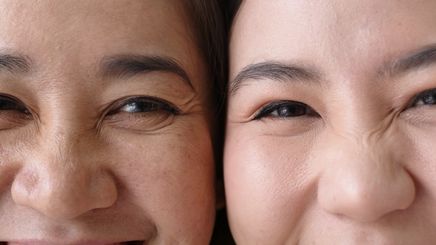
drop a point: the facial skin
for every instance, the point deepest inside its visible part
(104, 124)
(331, 122)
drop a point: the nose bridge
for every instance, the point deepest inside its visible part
(62, 179)
(361, 180)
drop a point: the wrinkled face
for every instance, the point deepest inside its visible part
(103, 124)
(332, 122)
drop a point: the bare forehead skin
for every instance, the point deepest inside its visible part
(70, 11)
(369, 30)
(82, 28)
(68, 16)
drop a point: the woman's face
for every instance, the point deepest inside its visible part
(104, 126)
(331, 128)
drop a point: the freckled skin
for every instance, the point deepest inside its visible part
(361, 169)
(71, 171)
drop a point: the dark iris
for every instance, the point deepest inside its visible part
(291, 110)
(140, 106)
(8, 104)
(285, 109)
(425, 98)
(144, 105)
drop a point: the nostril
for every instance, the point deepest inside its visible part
(134, 243)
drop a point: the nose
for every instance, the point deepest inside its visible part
(363, 182)
(63, 180)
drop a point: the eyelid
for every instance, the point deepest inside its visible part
(419, 96)
(269, 107)
(119, 103)
(14, 99)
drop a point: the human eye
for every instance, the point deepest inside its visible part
(144, 105)
(13, 112)
(142, 113)
(426, 98)
(285, 110)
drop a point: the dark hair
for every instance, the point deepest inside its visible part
(208, 21)
(232, 7)
(209, 29)
(211, 32)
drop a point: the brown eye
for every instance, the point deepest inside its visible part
(9, 104)
(284, 110)
(13, 113)
(144, 105)
(142, 114)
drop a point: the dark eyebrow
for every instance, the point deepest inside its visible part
(416, 60)
(273, 71)
(14, 63)
(126, 66)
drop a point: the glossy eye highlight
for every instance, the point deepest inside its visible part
(142, 113)
(145, 104)
(425, 98)
(284, 110)
(10, 104)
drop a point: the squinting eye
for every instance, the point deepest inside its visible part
(285, 109)
(13, 113)
(425, 98)
(144, 105)
(142, 114)
(9, 104)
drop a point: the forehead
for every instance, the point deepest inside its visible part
(84, 28)
(332, 32)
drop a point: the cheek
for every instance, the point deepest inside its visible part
(268, 184)
(420, 159)
(171, 178)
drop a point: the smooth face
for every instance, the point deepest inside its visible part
(331, 128)
(103, 124)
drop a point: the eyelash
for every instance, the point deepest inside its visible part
(425, 98)
(9, 103)
(152, 104)
(285, 109)
(274, 110)
(147, 104)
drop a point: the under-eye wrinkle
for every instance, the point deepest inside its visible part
(141, 113)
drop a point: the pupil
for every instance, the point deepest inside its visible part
(140, 107)
(7, 105)
(429, 99)
(285, 111)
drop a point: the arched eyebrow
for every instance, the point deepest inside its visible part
(273, 70)
(14, 64)
(277, 71)
(413, 61)
(127, 66)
